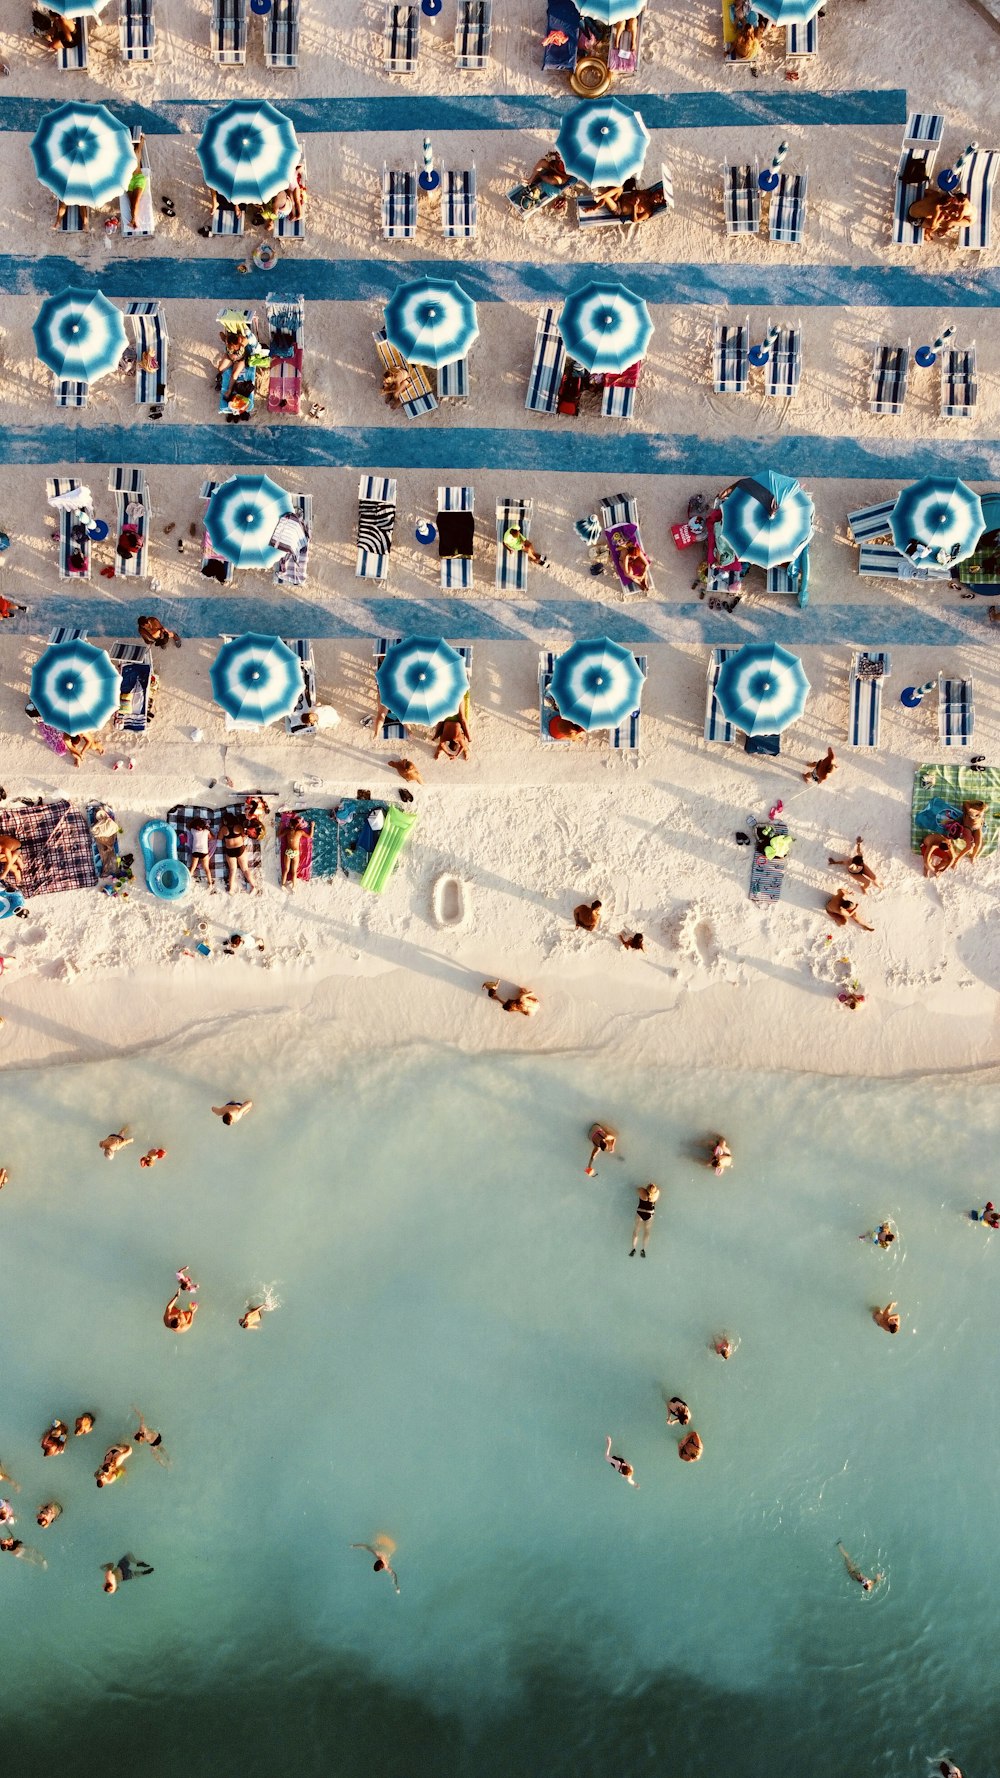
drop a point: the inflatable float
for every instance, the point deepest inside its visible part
(396, 830)
(166, 876)
(448, 901)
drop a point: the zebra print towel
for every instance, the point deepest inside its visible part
(376, 519)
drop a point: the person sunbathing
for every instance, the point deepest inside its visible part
(633, 565)
(938, 212)
(138, 183)
(61, 33)
(200, 847)
(842, 908)
(234, 841)
(299, 829)
(624, 28)
(453, 737)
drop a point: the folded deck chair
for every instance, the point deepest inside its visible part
(136, 30)
(73, 58)
(281, 34)
(921, 142)
(791, 577)
(286, 329)
(868, 669)
(547, 365)
(564, 21)
(228, 32)
(802, 39)
(399, 203)
(959, 382)
(741, 199)
(512, 565)
(145, 215)
(456, 533)
(786, 215)
(294, 724)
(869, 522)
(226, 220)
(730, 360)
(376, 519)
(473, 31)
(453, 380)
(877, 562)
(293, 568)
(152, 344)
(402, 37)
(625, 738)
(783, 370)
(623, 57)
(55, 486)
(620, 524)
(890, 370)
(288, 227)
(716, 726)
(979, 176)
(135, 665)
(956, 712)
(131, 491)
(70, 394)
(459, 204)
(417, 395)
(618, 395)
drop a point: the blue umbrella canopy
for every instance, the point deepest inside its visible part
(602, 142)
(431, 321)
(788, 12)
(79, 335)
(256, 678)
(596, 684)
(605, 327)
(241, 516)
(83, 154)
(760, 535)
(75, 687)
(422, 680)
(80, 9)
(610, 11)
(248, 151)
(762, 688)
(940, 513)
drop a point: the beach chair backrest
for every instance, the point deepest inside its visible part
(227, 221)
(453, 380)
(151, 336)
(228, 34)
(128, 483)
(547, 365)
(136, 30)
(717, 729)
(924, 130)
(625, 738)
(978, 179)
(783, 371)
(302, 648)
(890, 372)
(802, 38)
(71, 220)
(391, 729)
(72, 58)
(456, 571)
(281, 34)
(376, 520)
(730, 360)
(459, 204)
(959, 382)
(285, 319)
(563, 21)
(956, 711)
(786, 216)
(512, 565)
(399, 203)
(618, 401)
(922, 137)
(66, 633)
(402, 37)
(869, 522)
(473, 30)
(741, 199)
(68, 393)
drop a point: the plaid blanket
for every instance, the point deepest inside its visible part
(181, 817)
(306, 848)
(938, 795)
(57, 850)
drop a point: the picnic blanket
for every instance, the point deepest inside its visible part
(357, 839)
(767, 875)
(938, 795)
(57, 850)
(180, 818)
(305, 850)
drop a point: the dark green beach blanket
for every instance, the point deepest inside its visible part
(939, 792)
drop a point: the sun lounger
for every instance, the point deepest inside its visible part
(802, 39)
(921, 142)
(131, 491)
(417, 395)
(979, 176)
(294, 724)
(456, 532)
(473, 31)
(868, 669)
(512, 565)
(71, 220)
(741, 199)
(70, 394)
(459, 204)
(786, 215)
(135, 665)
(67, 544)
(226, 220)
(72, 58)
(136, 30)
(890, 370)
(402, 37)
(875, 562)
(288, 227)
(546, 707)
(623, 58)
(453, 380)
(152, 342)
(591, 213)
(547, 365)
(620, 524)
(564, 18)
(625, 738)
(145, 215)
(959, 382)
(286, 329)
(717, 729)
(956, 712)
(618, 394)
(376, 519)
(730, 360)
(791, 577)
(399, 203)
(293, 568)
(783, 370)
(391, 730)
(527, 199)
(209, 553)
(228, 34)
(869, 522)
(281, 34)
(982, 568)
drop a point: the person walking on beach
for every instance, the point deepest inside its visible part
(624, 1469)
(179, 1320)
(524, 1001)
(720, 1157)
(127, 1567)
(856, 867)
(842, 908)
(233, 1110)
(690, 1448)
(645, 1211)
(678, 1412)
(587, 916)
(887, 1319)
(866, 1582)
(381, 1550)
(118, 1139)
(820, 770)
(53, 1441)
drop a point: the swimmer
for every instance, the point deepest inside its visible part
(115, 1459)
(53, 1441)
(720, 1157)
(887, 1318)
(118, 1139)
(866, 1582)
(990, 1215)
(678, 1412)
(7, 1514)
(84, 1424)
(184, 1280)
(883, 1236)
(603, 1139)
(690, 1448)
(178, 1320)
(381, 1551)
(645, 1212)
(4, 1176)
(47, 1514)
(233, 1110)
(152, 1156)
(254, 1313)
(127, 1567)
(9, 1479)
(619, 1463)
(948, 1769)
(147, 1435)
(725, 1345)
(13, 1546)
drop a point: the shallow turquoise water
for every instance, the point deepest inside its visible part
(460, 1328)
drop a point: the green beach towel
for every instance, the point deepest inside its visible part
(936, 787)
(399, 824)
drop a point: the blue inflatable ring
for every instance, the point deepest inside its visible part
(168, 879)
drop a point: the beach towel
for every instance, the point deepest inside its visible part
(104, 832)
(180, 818)
(324, 858)
(306, 848)
(766, 874)
(357, 839)
(938, 795)
(57, 850)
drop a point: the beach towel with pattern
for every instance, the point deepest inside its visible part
(767, 875)
(57, 852)
(376, 519)
(938, 795)
(357, 839)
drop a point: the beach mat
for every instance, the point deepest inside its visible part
(357, 839)
(325, 842)
(180, 818)
(767, 875)
(305, 869)
(57, 851)
(939, 792)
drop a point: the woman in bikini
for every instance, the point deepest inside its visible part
(624, 1469)
(645, 1211)
(234, 842)
(856, 867)
(603, 1139)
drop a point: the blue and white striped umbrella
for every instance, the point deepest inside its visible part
(597, 684)
(605, 327)
(241, 516)
(422, 680)
(83, 154)
(75, 687)
(751, 531)
(610, 11)
(431, 321)
(762, 688)
(79, 335)
(80, 9)
(256, 678)
(602, 142)
(941, 513)
(788, 12)
(248, 151)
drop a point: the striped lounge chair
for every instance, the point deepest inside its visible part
(512, 565)
(783, 370)
(303, 649)
(867, 523)
(889, 375)
(956, 711)
(136, 30)
(417, 396)
(623, 56)
(741, 199)
(281, 34)
(623, 510)
(563, 22)
(226, 220)
(401, 41)
(152, 343)
(473, 31)
(69, 393)
(145, 215)
(459, 204)
(868, 670)
(456, 569)
(547, 365)
(717, 729)
(376, 519)
(877, 562)
(786, 213)
(791, 577)
(71, 221)
(55, 486)
(286, 329)
(730, 357)
(921, 142)
(131, 491)
(625, 738)
(591, 213)
(72, 58)
(802, 39)
(979, 176)
(228, 33)
(134, 661)
(293, 568)
(619, 392)
(959, 382)
(209, 553)
(399, 203)
(453, 380)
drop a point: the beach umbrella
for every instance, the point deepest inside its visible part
(241, 517)
(609, 12)
(75, 687)
(605, 327)
(940, 513)
(422, 680)
(80, 9)
(431, 321)
(248, 151)
(596, 684)
(788, 12)
(754, 533)
(79, 335)
(83, 154)
(602, 142)
(256, 678)
(761, 688)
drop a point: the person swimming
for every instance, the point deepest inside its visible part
(255, 1312)
(678, 1412)
(887, 1319)
(84, 1424)
(867, 1582)
(690, 1448)
(720, 1156)
(112, 1467)
(233, 1110)
(127, 1567)
(883, 1236)
(47, 1514)
(645, 1211)
(118, 1139)
(603, 1140)
(147, 1435)
(150, 1158)
(619, 1463)
(53, 1442)
(724, 1345)
(382, 1549)
(178, 1320)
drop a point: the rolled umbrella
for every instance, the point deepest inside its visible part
(431, 321)
(941, 515)
(75, 687)
(596, 684)
(602, 142)
(241, 517)
(788, 12)
(754, 532)
(762, 688)
(83, 154)
(256, 678)
(248, 151)
(422, 680)
(605, 327)
(79, 335)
